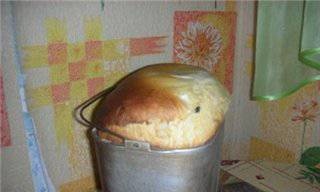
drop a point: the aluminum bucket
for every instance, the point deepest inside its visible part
(137, 167)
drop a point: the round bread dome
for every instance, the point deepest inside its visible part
(170, 106)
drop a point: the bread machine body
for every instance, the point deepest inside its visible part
(135, 167)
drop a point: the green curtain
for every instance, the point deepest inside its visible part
(287, 48)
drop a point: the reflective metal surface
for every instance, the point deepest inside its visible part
(135, 167)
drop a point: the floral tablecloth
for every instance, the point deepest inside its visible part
(256, 176)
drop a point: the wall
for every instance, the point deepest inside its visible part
(70, 51)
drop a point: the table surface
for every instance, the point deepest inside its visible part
(266, 176)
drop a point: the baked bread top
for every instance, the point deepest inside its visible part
(171, 106)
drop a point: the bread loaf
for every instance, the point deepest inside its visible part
(170, 106)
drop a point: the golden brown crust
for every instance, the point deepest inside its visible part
(135, 101)
(156, 104)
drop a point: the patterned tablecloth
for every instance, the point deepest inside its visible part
(256, 176)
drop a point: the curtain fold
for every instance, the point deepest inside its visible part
(287, 48)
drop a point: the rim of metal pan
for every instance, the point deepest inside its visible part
(143, 146)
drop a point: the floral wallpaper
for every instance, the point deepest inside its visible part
(206, 39)
(304, 113)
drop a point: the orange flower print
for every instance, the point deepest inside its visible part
(305, 111)
(200, 45)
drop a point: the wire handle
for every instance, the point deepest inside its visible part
(78, 113)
